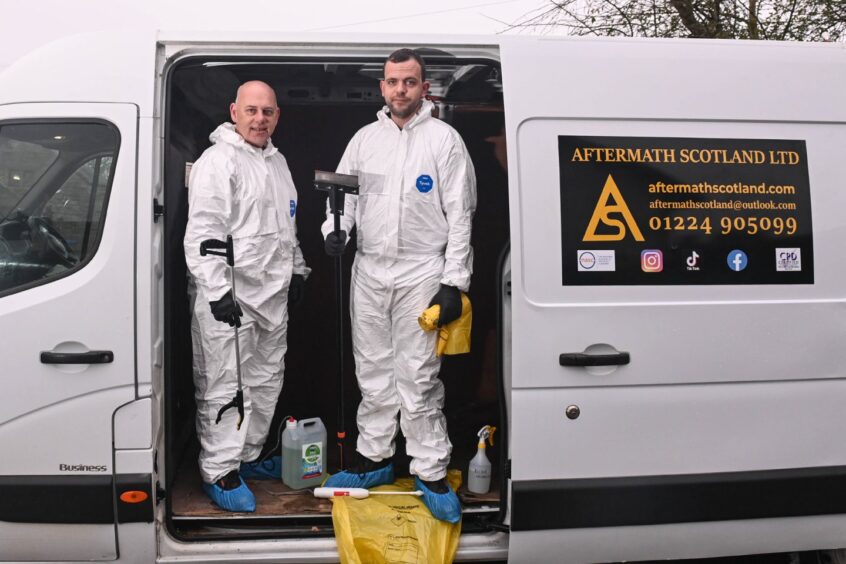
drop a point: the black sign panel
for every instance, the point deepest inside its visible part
(669, 211)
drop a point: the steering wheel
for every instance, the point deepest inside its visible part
(48, 239)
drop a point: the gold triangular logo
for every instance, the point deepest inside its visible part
(604, 208)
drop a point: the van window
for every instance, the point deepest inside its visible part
(21, 164)
(54, 184)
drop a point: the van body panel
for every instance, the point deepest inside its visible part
(728, 377)
(137, 542)
(682, 540)
(148, 250)
(68, 408)
(475, 547)
(133, 425)
(88, 415)
(64, 543)
(105, 67)
(134, 461)
(671, 79)
(686, 429)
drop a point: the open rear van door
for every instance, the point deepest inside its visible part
(678, 296)
(67, 217)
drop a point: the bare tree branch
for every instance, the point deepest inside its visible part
(800, 20)
(688, 18)
(789, 20)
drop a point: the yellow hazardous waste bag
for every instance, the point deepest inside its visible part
(392, 529)
(454, 337)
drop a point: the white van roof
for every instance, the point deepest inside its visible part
(120, 66)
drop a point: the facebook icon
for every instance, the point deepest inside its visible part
(737, 260)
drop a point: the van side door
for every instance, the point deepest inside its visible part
(67, 284)
(678, 294)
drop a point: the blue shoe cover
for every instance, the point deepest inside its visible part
(347, 479)
(444, 507)
(241, 499)
(268, 469)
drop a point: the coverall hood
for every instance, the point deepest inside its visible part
(424, 113)
(225, 133)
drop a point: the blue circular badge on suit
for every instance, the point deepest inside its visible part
(424, 183)
(293, 208)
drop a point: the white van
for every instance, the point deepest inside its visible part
(659, 293)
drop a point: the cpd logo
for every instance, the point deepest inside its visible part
(788, 259)
(651, 260)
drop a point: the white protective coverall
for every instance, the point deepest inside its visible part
(413, 217)
(242, 190)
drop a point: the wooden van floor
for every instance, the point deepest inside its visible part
(274, 499)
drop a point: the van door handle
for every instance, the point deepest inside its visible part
(582, 359)
(90, 357)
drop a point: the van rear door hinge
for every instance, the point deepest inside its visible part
(158, 210)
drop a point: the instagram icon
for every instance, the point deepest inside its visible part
(652, 260)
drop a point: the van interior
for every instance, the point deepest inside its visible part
(323, 102)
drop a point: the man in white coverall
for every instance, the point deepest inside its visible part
(241, 186)
(413, 217)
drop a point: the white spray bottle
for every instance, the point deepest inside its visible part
(479, 475)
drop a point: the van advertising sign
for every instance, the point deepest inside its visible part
(653, 211)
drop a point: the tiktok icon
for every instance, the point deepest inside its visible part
(693, 261)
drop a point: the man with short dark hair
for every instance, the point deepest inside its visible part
(241, 186)
(413, 217)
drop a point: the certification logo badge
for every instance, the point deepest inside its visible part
(651, 260)
(737, 260)
(788, 259)
(596, 261)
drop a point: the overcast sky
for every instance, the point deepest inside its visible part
(26, 24)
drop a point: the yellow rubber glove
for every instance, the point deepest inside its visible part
(453, 338)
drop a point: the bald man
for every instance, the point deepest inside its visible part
(241, 186)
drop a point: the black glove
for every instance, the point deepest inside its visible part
(335, 243)
(226, 310)
(296, 291)
(449, 298)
